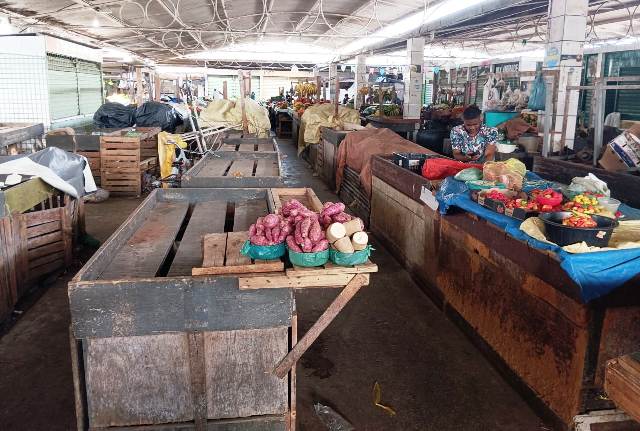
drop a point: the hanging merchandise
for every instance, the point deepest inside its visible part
(486, 93)
(538, 94)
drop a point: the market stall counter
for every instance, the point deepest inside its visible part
(406, 127)
(547, 333)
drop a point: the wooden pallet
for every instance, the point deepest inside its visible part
(145, 137)
(249, 145)
(305, 196)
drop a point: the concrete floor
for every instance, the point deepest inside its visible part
(390, 333)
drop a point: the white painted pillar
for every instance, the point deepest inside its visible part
(413, 78)
(565, 44)
(361, 79)
(333, 74)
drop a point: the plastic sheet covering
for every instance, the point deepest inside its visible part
(156, 114)
(167, 152)
(322, 115)
(596, 273)
(114, 115)
(60, 169)
(227, 113)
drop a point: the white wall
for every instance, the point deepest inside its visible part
(24, 96)
(54, 45)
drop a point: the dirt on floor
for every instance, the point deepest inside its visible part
(429, 373)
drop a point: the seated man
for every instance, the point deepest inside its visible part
(473, 141)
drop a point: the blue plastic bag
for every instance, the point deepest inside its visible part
(538, 94)
(263, 252)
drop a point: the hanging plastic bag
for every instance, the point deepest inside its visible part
(590, 183)
(538, 94)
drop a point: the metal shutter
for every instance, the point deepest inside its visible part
(628, 101)
(89, 86)
(272, 85)
(215, 83)
(63, 87)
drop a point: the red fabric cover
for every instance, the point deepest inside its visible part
(357, 149)
(438, 169)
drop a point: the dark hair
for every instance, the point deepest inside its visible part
(471, 112)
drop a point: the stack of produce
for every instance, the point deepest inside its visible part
(306, 89)
(586, 203)
(308, 235)
(348, 237)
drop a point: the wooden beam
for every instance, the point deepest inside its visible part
(245, 123)
(336, 102)
(157, 87)
(224, 90)
(327, 317)
(318, 87)
(139, 89)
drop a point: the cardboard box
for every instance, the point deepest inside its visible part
(479, 196)
(622, 153)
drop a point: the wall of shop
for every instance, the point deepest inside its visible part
(48, 80)
(265, 83)
(24, 95)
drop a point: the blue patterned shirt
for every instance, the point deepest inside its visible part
(460, 139)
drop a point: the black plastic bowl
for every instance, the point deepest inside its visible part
(565, 235)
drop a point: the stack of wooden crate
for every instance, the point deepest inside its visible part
(125, 156)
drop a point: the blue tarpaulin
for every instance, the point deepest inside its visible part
(597, 273)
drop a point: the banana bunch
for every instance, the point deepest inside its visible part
(306, 89)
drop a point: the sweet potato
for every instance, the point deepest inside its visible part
(252, 230)
(291, 243)
(341, 217)
(275, 234)
(305, 225)
(271, 221)
(283, 236)
(267, 233)
(307, 245)
(298, 235)
(259, 240)
(320, 246)
(333, 209)
(315, 231)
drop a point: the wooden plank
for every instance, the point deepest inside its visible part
(214, 248)
(235, 241)
(270, 266)
(293, 380)
(265, 148)
(146, 249)
(44, 239)
(297, 281)
(197, 373)
(267, 168)
(241, 168)
(214, 167)
(242, 360)
(206, 217)
(78, 382)
(247, 212)
(258, 423)
(44, 228)
(622, 383)
(325, 319)
(159, 305)
(331, 269)
(38, 217)
(123, 377)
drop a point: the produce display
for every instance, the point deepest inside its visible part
(307, 232)
(579, 221)
(306, 89)
(586, 203)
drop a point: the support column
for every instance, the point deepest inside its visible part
(413, 78)
(333, 75)
(565, 44)
(361, 80)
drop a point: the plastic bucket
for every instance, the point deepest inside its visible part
(308, 259)
(263, 252)
(350, 259)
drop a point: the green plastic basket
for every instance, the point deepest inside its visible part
(308, 259)
(350, 259)
(263, 252)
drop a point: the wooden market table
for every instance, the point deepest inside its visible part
(154, 345)
(515, 302)
(12, 134)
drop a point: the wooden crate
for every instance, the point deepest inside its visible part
(154, 346)
(146, 138)
(284, 125)
(121, 165)
(235, 169)
(34, 245)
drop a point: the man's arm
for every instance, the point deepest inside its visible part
(457, 154)
(490, 153)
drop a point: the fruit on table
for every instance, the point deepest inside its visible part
(497, 196)
(584, 203)
(579, 220)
